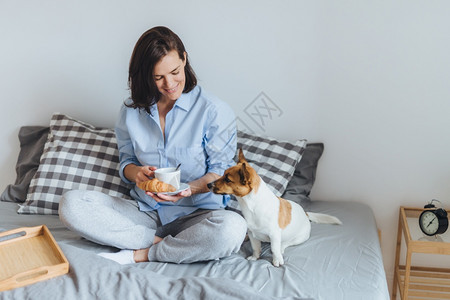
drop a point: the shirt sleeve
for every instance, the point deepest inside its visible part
(220, 138)
(124, 144)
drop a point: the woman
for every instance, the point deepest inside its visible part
(167, 121)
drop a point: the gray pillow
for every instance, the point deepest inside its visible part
(32, 140)
(299, 187)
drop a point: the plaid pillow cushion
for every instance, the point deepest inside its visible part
(76, 156)
(274, 160)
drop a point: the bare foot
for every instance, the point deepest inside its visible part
(141, 255)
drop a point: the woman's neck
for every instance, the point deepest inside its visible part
(164, 106)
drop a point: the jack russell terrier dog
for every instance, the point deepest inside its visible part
(269, 218)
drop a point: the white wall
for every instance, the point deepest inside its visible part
(370, 79)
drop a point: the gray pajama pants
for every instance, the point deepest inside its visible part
(203, 235)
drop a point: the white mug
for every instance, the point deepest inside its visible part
(169, 175)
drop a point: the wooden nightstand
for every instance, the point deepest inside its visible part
(414, 281)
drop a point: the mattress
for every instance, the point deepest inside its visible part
(337, 262)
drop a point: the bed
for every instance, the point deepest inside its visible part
(337, 262)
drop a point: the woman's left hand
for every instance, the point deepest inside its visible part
(161, 197)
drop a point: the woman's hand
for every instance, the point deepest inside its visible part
(161, 197)
(195, 187)
(144, 173)
(139, 174)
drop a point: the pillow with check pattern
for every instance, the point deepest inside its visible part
(274, 160)
(76, 156)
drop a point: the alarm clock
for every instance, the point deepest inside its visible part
(433, 220)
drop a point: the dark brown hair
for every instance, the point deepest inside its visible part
(151, 47)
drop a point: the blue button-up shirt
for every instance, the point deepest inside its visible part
(200, 133)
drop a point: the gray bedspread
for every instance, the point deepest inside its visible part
(337, 262)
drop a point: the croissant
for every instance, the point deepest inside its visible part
(156, 186)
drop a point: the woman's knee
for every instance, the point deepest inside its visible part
(74, 204)
(68, 205)
(233, 229)
(67, 200)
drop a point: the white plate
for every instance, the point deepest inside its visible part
(183, 187)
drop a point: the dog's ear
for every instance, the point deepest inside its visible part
(241, 156)
(244, 174)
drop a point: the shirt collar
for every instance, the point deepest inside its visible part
(184, 102)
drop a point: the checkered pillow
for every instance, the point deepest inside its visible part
(76, 156)
(273, 160)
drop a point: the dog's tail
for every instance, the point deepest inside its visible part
(323, 218)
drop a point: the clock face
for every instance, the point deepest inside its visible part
(429, 223)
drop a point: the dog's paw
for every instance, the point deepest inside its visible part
(278, 261)
(252, 257)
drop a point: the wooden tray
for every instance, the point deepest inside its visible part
(29, 255)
